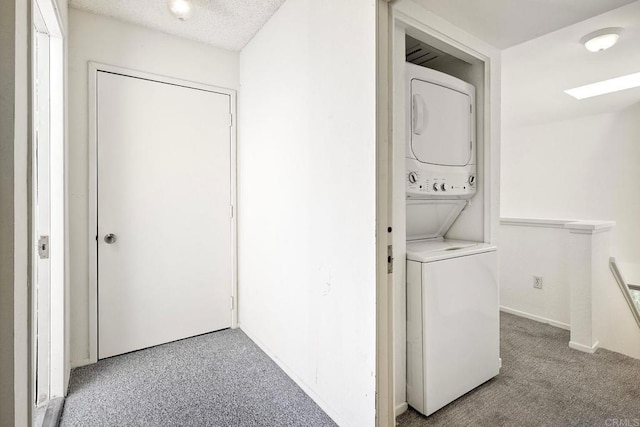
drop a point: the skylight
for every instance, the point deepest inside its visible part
(606, 86)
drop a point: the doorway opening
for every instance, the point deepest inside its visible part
(414, 36)
(47, 205)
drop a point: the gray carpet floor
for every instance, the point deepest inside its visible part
(218, 379)
(545, 383)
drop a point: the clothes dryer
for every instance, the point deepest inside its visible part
(452, 286)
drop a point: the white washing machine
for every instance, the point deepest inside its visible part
(452, 286)
(452, 321)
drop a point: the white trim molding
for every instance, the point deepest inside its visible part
(401, 409)
(333, 414)
(589, 227)
(540, 319)
(536, 222)
(573, 225)
(81, 362)
(584, 348)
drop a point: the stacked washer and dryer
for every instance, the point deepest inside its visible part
(452, 285)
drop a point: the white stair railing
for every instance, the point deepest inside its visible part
(626, 286)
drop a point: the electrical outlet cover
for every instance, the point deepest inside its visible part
(537, 282)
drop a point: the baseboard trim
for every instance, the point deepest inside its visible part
(535, 317)
(312, 394)
(54, 412)
(80, 362)
(584, 348)
(401, 409)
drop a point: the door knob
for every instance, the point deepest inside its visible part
(110, 238)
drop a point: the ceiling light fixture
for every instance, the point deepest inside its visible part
(606, 86)
(181, 9)
(601, 40)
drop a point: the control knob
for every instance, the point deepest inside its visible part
(413, 177)
(472, 179)
(435, 187)
(443, 187)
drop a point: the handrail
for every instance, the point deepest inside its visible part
(624, 287)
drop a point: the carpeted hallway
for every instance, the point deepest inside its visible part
(545, 383)
(219, 379)
(223, 379)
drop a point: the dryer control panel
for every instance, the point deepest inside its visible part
(429, 183)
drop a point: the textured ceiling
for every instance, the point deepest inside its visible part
(536, 73)
(228, 24)
(506, 23)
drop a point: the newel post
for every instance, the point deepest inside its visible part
(589, 251)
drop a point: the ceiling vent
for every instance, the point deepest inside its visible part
(420, 53)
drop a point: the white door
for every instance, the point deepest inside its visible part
(164, 227)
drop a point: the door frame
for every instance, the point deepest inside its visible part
(94, 68)
(49, 369)
(392, 15)
(384, 219)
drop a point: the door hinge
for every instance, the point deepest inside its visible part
(471, 108)
(43, 247)
(230, 120)
(232, 303)
(230, 211)
(389, 259)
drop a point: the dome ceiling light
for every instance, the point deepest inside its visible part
(181, 9)
(601, 40)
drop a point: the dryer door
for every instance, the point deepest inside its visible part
(440, 124)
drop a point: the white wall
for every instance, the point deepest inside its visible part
(545, 247)
(584, 168)
(527, 251)
(63, 11)
(104, 40)
(307, 201)
(568, 158)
